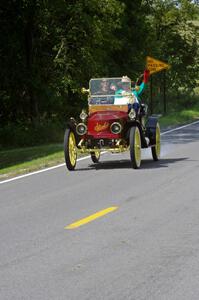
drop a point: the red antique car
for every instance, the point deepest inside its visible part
(114, 122)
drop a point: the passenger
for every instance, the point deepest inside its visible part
(124, 94)
(141, 85)
(125, 86)
(138, 89)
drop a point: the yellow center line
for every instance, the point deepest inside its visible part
(91, 217)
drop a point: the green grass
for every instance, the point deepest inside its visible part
(179, 118)
(24, 160)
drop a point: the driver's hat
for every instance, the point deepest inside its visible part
(125, 79)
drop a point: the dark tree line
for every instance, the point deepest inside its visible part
(51, 48)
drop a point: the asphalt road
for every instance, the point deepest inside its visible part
(147, 248)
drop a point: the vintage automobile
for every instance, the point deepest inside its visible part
(114, 122)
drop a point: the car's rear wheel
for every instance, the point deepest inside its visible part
(135, 147)
(70, 150)
(155, 150)
(95, 156)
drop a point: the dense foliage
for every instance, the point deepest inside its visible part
(51, 48)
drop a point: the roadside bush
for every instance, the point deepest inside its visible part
(20, 135)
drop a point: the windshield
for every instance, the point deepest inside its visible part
(109, 91)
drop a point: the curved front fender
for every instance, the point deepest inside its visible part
(151, 129)
(71, 123)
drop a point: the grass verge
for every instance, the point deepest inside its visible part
(179, 118)
(24, 160)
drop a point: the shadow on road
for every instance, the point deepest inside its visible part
(162, 163)
(125, 164)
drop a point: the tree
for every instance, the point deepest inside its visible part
(134, 37)
(175, 39)
(50, 49)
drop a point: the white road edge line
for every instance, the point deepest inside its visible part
(178, 128)
(83, 158)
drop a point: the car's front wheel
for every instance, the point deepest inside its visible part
(156, 149)
(70, 150)
(135, 147)
(95, 156)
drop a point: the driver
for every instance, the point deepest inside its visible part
(104, 88)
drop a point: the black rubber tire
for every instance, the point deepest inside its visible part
(135, 142)
(155, 150)
(94, 158)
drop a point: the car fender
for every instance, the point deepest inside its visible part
(151, 129)
(71, 124)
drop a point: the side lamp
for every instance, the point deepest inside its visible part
(84, 91)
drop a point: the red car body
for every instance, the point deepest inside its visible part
(99, 124)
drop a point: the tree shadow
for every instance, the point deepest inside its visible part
(126, 164)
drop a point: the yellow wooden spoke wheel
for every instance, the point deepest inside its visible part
(135, 147)
(156, 149)
(70, 150)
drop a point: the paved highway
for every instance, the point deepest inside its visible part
(145, 246)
